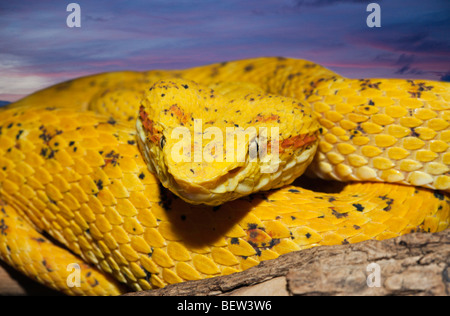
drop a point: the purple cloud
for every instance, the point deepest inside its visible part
(38, 49)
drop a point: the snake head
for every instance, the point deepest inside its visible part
(209, 146)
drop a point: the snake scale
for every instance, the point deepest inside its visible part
(79, 186)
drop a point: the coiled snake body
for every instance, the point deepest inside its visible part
(74, 168)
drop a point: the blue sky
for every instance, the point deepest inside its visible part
(37, 48)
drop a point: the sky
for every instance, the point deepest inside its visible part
(38, 49)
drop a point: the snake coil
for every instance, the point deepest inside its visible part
(74, 170)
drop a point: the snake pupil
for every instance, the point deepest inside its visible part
(162, 141)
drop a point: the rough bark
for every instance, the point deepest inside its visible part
(414, 264)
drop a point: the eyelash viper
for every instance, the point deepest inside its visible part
(72, 177)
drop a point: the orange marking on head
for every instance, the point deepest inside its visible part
(179, 113)
(297, 141)
(261, 118)
(155, 135)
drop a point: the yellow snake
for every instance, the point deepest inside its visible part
(76, 174)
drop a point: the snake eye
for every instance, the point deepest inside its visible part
(162, 142)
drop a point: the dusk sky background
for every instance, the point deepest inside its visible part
(37, 49)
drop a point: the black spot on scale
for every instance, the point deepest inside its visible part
(389, 202)
(18, 134)
(99, 184)
(294, 191)
(39, 239)
(141, 176)
(95, 283)
(249, 67)
(47, 152)
(414, 133)
(274, 242)
(338, 214)
(3, 227)
(47, 267)
(252, 226)
(253, 234)
(112, 121)
(258, 251)
(358, 207)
